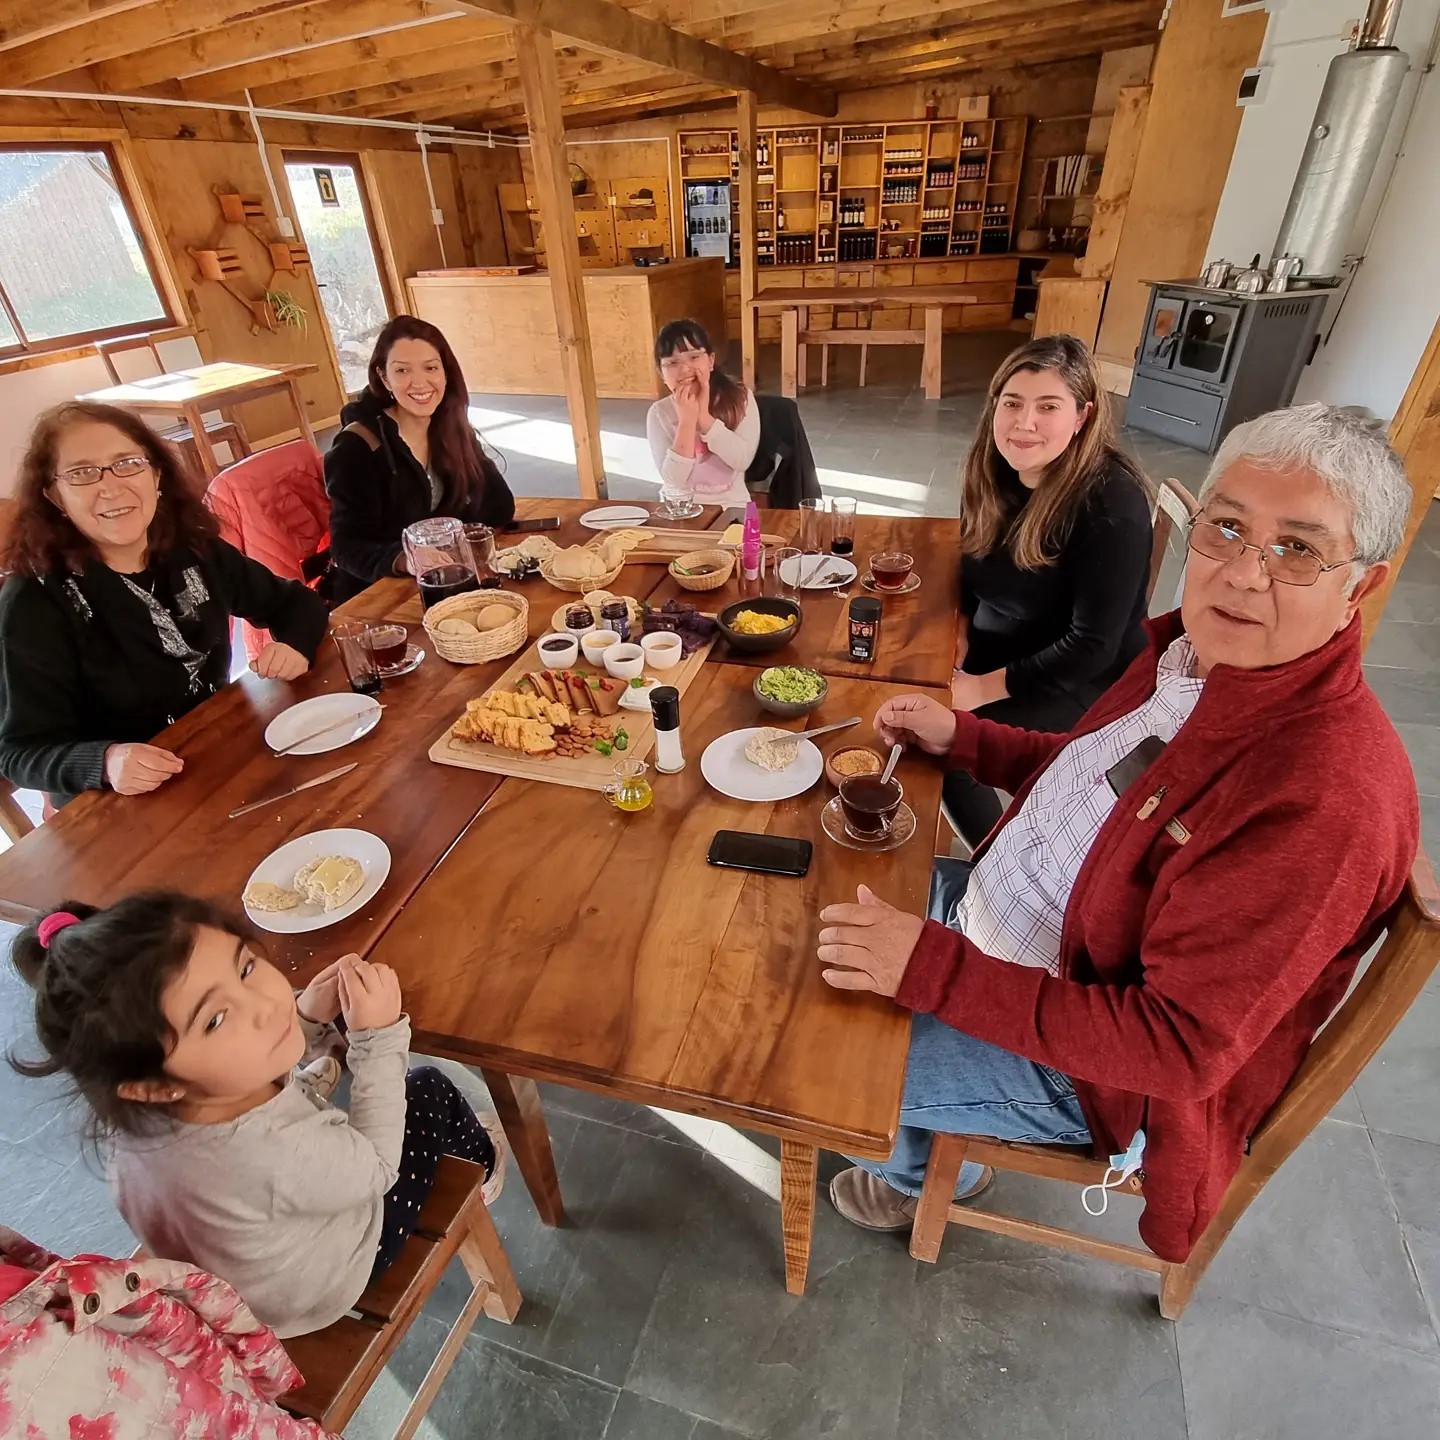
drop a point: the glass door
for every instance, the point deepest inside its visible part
(335, 225)
(1162, 334)
(1206, 336)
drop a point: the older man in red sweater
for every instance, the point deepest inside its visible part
(1176, 900)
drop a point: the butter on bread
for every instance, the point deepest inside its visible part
(262, 895)
(330, 881)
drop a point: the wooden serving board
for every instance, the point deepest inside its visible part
(592, 772)
(663, 546)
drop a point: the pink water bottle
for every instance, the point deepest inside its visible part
(750, 542)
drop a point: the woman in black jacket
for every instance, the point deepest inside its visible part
(115, 617)
(1056, 534)
(407, 452)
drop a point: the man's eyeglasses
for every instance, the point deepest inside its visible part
(1289, 563)
(121, 469)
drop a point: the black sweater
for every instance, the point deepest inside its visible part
(1072, 626)
(375, 494)
(82, 666)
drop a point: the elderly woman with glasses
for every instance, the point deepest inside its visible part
(1177, 898)
(116, 614)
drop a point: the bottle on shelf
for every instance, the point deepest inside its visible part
(779, 219)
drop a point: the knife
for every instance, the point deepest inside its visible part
(323, 730)
(285, 794)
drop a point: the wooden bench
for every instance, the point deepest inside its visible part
(340, 1363)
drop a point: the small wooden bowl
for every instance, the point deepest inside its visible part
(718, 565)
(835, 777)
(485, 645)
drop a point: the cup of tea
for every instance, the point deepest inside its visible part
(388, 643)
(869, 806)
(891, 570)
(353, 639)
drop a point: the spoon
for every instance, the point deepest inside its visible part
(890, 764)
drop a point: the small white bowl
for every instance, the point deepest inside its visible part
(662, 650)
(596, 643)
(559, 651)
(624, 661)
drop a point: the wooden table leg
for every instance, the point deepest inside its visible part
(302, 419)
(797, 1209)
(934, 338)
(195, 419)
(517, 1103)
(789, 345)
(802, 352)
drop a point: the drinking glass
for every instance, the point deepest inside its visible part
(481, 540)
(677, 502)
(788, 560)
(354, 639)
(842, 525)
(438, 556)
(812, 526)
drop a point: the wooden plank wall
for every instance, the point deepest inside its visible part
(1184, 158)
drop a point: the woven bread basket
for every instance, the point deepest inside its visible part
(485, 645)
(722, 561)
(578, 587)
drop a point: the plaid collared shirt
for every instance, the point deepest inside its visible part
(1015, 903)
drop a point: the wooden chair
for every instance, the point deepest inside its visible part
(13, 820)
(340, 1363)
(1337, 1055)
(221, 429)
(1175, 507)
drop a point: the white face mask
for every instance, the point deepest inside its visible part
(1122, 1167)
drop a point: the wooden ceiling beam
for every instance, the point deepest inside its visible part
(615, 31)
(25, 21)
(1083, 44)
(416, 53)
(336, 47)
(828, 20)
(267, 31)
(488, 61)
(935, 44)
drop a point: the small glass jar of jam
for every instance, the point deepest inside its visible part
(615, 615)
(579, 620)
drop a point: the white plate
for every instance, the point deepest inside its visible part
(308, 716)
(724, 765)
(795, 567)
(634, 699)
(280, 865)
(614, 517)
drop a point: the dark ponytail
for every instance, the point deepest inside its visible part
(98, 985)
(727, 394)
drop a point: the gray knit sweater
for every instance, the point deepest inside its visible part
(286, 1202)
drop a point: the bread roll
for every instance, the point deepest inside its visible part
(454, 625)
(492, 617)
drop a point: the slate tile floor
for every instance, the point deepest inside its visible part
(660, 1312)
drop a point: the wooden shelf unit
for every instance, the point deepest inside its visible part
(856, 160)
(614, 222)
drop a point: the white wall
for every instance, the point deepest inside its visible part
(1377, 330)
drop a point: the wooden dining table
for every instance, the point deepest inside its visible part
(218, 386)
(795, 303)
(538, 933)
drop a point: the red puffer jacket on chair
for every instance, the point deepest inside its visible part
(272, 506)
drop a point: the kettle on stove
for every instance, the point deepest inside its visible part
(1285, 269)
(1252, 280)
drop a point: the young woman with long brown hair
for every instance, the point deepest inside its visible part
(115, 617)
(705, 432)
(407, 451)
(1055, 530)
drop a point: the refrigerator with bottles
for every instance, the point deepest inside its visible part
(707, 218)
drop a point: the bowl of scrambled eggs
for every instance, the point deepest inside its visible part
(761, 625)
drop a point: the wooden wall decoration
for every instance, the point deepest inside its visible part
(223, 265)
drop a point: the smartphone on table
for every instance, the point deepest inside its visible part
(765, 854)
(543, 522)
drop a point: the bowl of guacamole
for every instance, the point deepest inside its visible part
(790, 690)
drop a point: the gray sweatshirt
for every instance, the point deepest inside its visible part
(286, 1202)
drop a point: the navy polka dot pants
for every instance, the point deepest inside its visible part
(438, 1121)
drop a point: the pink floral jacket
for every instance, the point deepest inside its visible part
(95, 1349)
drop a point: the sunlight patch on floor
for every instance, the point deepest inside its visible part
(736, 1152)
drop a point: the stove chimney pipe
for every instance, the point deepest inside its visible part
(1346, 137)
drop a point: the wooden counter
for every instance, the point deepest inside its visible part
(502, 327)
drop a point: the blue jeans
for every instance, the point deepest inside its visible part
(959, 1085)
